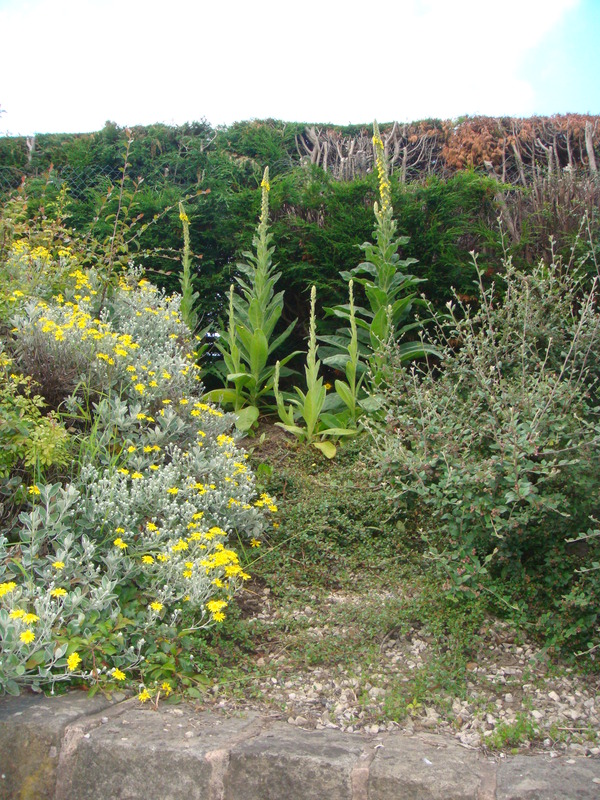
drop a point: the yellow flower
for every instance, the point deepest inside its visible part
(147, 560)
(119, 530)
(59, 592)
(219, 616)
(254, 543)
(151, 526)
(156, 606)
(216, 605)
(5, 588)
(27, 636)
(33, 490)
(118, 675)
(73, 661)
(166, 687)
(29, 618)
(173, 490)
(58, 564)
(136, 475)
(118, 542)
(16, 613)
(144, 695)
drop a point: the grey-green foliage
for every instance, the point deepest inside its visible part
(499, 442)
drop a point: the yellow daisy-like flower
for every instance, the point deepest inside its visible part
(34, 490)
(156, 606)
(136, 475)
(118, 675)
(173, 490)
(147, 560)
(118, 542)
(59, 592)
(27, 636)
(254, 543)
(16, 613)
(73, 661)
(166, 688)
(30, 618)
(151, 526)
(219, 616)
(215, 606)
(5, 588)
(144, 695)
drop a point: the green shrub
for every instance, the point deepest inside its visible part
(499, 444)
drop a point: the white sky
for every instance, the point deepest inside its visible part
(70, 65)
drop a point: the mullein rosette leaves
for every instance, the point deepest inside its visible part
(249, 340)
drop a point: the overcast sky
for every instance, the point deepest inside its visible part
(71, 65)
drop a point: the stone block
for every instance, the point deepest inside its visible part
(544, 778)
(146, 754)
(31, 733)
(287, 763)
(425, 768)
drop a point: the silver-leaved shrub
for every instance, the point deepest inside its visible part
(134, 545)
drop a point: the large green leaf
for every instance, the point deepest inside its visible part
(344, 391)
(327, 448)
(221, 396)
(246, 418)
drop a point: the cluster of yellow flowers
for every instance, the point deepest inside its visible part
(264, 206)
(385, 187)
(27, 619)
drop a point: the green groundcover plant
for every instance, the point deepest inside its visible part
(125, 551)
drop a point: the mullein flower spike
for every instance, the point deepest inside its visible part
(385, 187)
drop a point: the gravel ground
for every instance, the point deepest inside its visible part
(514, 698)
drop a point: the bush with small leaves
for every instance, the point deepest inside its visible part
(499, 444)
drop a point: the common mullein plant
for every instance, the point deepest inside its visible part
(249, 341)
(308, 406)
(388, 287)
(131, 548)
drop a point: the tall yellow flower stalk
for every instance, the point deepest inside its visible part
(385, 187)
